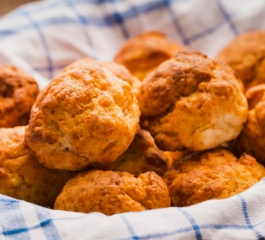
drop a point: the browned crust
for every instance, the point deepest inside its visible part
(251, 139)
(214, 174)
(18, 92)
(117, 69)
(112, 192)
(246, 55)
(21, 175)
(144, 52)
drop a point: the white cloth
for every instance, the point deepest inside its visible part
(43, 37)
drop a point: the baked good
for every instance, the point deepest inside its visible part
(85, 115)
(193, 102)
(18, 92)
(112, 192)
(143, 53)
(142, 156)
(22, 176)
(246, 55)
(213, 174)
(251, 138)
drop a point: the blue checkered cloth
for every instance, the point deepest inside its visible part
(44, 37)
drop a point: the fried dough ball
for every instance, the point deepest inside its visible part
(22, 176)
(110, 192)
(246, 55)
(142, 156)
(251, 139)
(143, 53)
(213, 174)
(84, 116)
(193, 102)
(18, 92)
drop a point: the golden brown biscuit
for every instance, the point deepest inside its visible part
(142, 156)
(21, 175)
(251, 139)
(111, 192)
(18, 92)
(142, 54)
(246, 55)
(117, 69)
(193, 102)
(84, 116)
(214, 174)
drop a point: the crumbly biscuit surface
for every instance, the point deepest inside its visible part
(143, 53)
(22, 176)
(251, 139)
(215, 174)
(18, 92)
(246, 55)
(112, 192)
(117, 69)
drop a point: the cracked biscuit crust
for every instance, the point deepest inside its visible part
(251, 138)
(246, 55)
(84, 116)
(143, 53)
(18, 92)
(112, 192)
(193, 102)
(117, 69)
(22, 176)
(214, 174)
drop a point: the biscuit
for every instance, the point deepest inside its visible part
(84, 116)
(213, 174)
(143, 53)
(18, 92)
(21, 175)
(193, 102)
(142, 156)
(110, 192)
(251, 139)
(246, 55)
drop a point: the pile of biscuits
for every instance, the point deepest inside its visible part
(161, 125)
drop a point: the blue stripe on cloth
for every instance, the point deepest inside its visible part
(105, 21)
(206, 32)
(195, 227)
(130, 228)
(46, 223)
(8, 200)
(227, 17)
(119, 19)
(245, 212)
(176, 22)
(18, 229)
(44, 43)
(81, 19)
